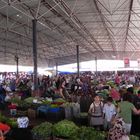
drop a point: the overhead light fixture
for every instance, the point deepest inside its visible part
(113, 56)
(19, 16)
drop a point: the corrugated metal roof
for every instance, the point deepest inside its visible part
(102, 29)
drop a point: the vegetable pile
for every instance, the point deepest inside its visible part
(29, 100)
(42, 131)
(132, 137)
(23, 104)
(69, 131)
(59, 100)
(65, 129)
(88, 133)
(9, 121)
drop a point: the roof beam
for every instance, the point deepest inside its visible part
(48, 22)
(104, 7)
(69, 24)
(76, 22)
(128, 24)
(105, 26)
(25, 36)
(27, 54)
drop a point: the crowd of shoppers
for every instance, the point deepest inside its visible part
(109, 97)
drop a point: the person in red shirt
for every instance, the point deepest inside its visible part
(114, 94)
(4, 128)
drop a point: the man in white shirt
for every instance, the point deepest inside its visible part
(109, 111)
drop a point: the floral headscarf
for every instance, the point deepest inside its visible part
(117, 131)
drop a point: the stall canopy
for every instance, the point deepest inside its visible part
(105, 29)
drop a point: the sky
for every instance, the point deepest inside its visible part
(102, 65)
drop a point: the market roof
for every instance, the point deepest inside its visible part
(106, 29)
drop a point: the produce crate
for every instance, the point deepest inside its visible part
(23, 113)
(32, 113)
(55, 115)
(42, 111)
(2, 106)
(68, 112)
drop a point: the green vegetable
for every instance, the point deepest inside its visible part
(88, 133)
(2, 118)
(115, 103)
(83, 114)
(42, 131)
(23, 87)
(54, 106)
(8, 121)
(111, 83)
(103, 95)
(15, 100)
(132, 137)
(65, 129)
(24, 104)
(29, 100)
(60, 100)
(12, 123)
(136, 91)
(67, 104)
(46, 102)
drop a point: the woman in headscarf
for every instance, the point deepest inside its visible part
(118, 132)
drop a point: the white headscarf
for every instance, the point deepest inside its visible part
(23, 122)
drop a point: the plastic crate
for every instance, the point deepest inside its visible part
(54, 110)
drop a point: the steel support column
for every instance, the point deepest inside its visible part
(34, 24)
(77, 53)
(56, 68)
(17, 62)
(96, 68)
(128, 23)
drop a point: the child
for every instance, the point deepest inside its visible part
(109, 111)
(96, 113)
